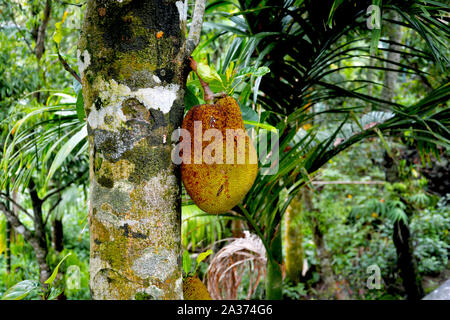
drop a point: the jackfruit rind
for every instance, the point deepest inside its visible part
(218, 187)
(194, 289)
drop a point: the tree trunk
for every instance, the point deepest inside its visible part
(401, 235)
(406, 261)
(8, 246)
(57, 235)
(293, 238)
(402, 240)
(323, 256)
(390, 77)
(39, 239)
(8, 235)
(133, 73)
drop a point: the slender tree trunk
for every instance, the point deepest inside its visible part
(293, 238)
(402, 240)
(401, 235)
(133, 73)
(390, 77)
(39, 36)
(8, 237)
(323, 255)
(39, 240)
(406, 261)
(57, 235)
(8, 246)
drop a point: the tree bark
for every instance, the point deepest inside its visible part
(406, 261)
(133, 69)
(39, 241)
(8, 246)
(293, 238)
(390, 77)
(323, 255)
(8, 236)
(57, 235)
(401, 237)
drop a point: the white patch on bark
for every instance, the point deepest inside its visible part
(182, 10)
(113, 114)
(155, 189)
(156, 79)
(84, 60)
(160, 97)
(154, 292)
(113, 94)
(149, 264)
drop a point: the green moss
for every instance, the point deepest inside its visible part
(133, 109)
(97, 163)
(143, 296)
(105, 182)
(148, 160)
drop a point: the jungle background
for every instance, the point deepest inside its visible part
(359, 205)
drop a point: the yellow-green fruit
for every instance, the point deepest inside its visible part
(220, 179)
(194, 289)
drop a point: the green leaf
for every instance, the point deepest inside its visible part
(187, 262)
(261, 71)
(80, 106)
(207, 74)
(57, 36)
(65, 151)
(190, 99)
(202, 256)
(20, 290)
(55, 272)
(261, 125)
(248, 113)
(336, 4)
(54, 293)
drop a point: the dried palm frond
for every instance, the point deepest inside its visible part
(241, 256)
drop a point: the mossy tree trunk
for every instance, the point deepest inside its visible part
(293, 238)
(133, 66)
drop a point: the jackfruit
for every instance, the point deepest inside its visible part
(194, 289)
(228, 167)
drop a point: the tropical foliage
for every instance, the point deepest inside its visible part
(309, 73)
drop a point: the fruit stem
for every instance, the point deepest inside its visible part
(208, 95)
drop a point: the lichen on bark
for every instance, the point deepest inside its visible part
(133, 74)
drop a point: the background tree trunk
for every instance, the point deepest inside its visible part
(57, 235)
(8, 237)
(39, 241)
(401, 235)
(8, 246)
(323, 255)
(133, 73)
(293, 239)
(406, 261)
(390, 77)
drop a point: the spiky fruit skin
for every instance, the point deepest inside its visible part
(194, 289)
(218, 187)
